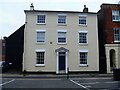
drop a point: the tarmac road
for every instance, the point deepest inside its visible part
(96, 83)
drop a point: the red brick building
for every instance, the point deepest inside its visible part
(109, 37)
(2, 50)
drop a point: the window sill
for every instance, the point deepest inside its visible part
(84, 25)
(62, 43)
(116, 41)
(62, 24)
(83, 65)
(116, 20)
(41, 23)
(40, 43)
(83, 44)
(40, 65)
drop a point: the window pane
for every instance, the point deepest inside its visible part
(40, 18)
(40, 57)
(82, 37)
(82, 20)
(115, 15)
(61, 19)
(61, 37)
(117, 34)
(40, 36)
(83, 57)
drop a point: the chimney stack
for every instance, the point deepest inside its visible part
(31, 7)
(85, 9)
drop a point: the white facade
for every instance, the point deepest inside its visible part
(57, 40)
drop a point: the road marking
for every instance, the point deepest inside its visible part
(7, 82)
(79, 84)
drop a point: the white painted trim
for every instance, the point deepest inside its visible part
(66, 62)
(83, 31)
(40, 50)
(82, 15)
(41, 65)
(86, 36)
(41, 23)
(61, 30)
(57, 67)
(116, 41)
(62, 14)
(83, 65)
(40, 30)
(83, 50)
(66, 37)
(62, 24)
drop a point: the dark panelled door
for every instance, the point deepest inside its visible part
(61, 60)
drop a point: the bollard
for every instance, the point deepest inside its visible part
(68, 73)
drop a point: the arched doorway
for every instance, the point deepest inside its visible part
(112, 59)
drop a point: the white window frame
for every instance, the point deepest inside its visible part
(65, 19)
(44, 37)
(113, 14)
(84, 51)
(118, 35)
(80, 31)
(40, 50)
(79, 20)
(37, 19)
(58, 36)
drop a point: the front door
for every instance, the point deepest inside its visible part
(62, 61)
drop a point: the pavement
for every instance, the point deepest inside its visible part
(78, 75)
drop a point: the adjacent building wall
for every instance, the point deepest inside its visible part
(2, 50)
(106, 36)
(14, 48)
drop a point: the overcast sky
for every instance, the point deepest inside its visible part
(12, 14)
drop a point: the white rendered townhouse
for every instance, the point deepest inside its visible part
(57, 40)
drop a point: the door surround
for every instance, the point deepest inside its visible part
(62, 49)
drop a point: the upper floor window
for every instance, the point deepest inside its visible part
(83, 37)
(41, 19)
(116, 34)
(61, 37)
(115, 15)
(82, 20)
(40, 36)
(62, 19)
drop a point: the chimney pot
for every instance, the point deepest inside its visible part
(31, 7)
(85, 9)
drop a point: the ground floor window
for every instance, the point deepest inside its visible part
(40, 57)
(83, 58)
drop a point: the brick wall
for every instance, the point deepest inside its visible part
(109, 24)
